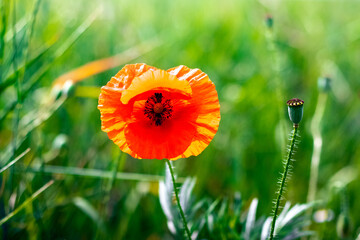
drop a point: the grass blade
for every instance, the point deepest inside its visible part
(26, 202)
(185, 193)
(15, 160)
(251, 217)
(87, 92)
(85, 206)
(19, 27)
(265, 232)
(10, 79)
(4, 11)
(75, 35)
(93, 173)
(101, 65)
(29, 123)
(29, 36)
(51, 59)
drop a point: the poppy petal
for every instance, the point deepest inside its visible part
(148, 141)
(205, 103)
(114, 114)
(155, 80)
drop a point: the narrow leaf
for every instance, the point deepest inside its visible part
(298, 234)
(15, 160)
(26, 202)
(92, 173)
(250, 220)
(85, 206)
(266, 229)
(101, 65)
(185, 193)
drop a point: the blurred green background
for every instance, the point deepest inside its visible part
(256, 69)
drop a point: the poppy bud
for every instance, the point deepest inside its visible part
(269, 21)
(295, 109)
(324, 84)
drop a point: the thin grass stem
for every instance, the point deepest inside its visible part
(16, 118)
(91, 173)
(100, 234)
(15, 160)
(119, 162)
(27, 41)
(178, 200)
(276, 67)
(283, 180)
(315, 158)
(3, 11)
(26, 202)
(15, 49)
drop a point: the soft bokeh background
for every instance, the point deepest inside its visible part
(255, 69)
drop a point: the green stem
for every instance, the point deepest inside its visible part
(29, 33)
(277, 83)
(283, 180)
(177, 200)
(315, 158)
(106, 200)
(26, 202)
(4, 13)
(120, 162)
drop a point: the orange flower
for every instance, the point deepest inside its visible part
(156, 114)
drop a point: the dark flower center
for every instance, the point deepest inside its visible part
(157, 108)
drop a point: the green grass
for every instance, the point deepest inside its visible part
(100, 193)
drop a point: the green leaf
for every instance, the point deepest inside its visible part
(265, 233)
(166, 191)
(251, 217)
(85, 206)
(30, 122)
(185, 193)
(69, 41)
(26, 202)
(11, 78)
(15, 160)
(91, 173)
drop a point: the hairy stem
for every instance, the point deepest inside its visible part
(178, 201)
(283, 180)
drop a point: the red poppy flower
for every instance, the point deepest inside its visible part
(156, 114)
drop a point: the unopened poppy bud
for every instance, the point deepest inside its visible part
(324, 84)
(295, 109)
(269, 21)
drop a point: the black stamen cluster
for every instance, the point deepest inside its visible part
(166, 113)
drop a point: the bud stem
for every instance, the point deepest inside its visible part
(283, 180)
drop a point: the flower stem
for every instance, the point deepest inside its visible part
(283, 180)
(177, 200)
